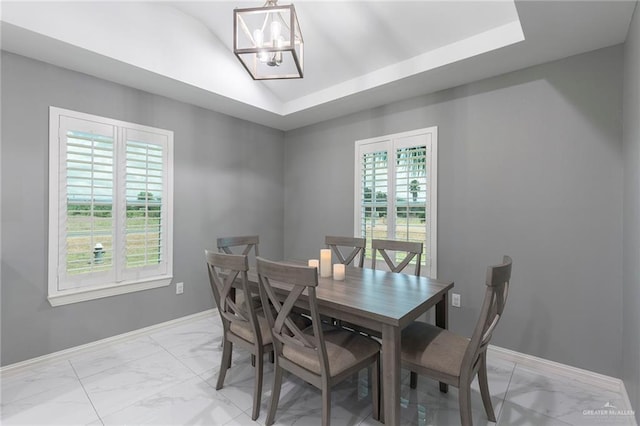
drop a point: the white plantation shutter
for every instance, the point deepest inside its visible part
(412, 181)
(145, 210)
(396, 183)
(86, 218)
(110, 207)
(373, 193)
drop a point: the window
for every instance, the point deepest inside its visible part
(110, 207)
(396, 191)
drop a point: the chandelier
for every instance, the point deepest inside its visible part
(268, 42)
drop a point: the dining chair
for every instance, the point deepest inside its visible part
(412, 250)
(454, 359)
(243, 245)
(226, 244)
(357, 246)
(241, 323)
(320, 356)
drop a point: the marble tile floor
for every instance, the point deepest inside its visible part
(167, 377)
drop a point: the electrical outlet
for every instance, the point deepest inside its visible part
(179, 288)
(455, 300)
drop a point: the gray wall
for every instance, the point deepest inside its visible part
(631, 261)
(228, 180)
(530, 165)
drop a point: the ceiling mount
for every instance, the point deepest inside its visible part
(268, 42)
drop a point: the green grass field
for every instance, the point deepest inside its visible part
(143, 245)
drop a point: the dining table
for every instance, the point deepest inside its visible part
(385, 302)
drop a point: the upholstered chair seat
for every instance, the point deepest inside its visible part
(344, 349)
(434, 348)
(243, 329)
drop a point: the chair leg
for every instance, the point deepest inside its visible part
(464, 400)
(413, 380)
(224, 363)
(257, 387)
(272, 357)
(230, 352)
(375, 388)
(275, 394)
(326, 403)
(380, 394)
(484, 388)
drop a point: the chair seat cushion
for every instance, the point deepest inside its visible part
(243, 329)
(344, 349)
(433, 348)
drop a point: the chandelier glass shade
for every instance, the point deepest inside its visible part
(268, 42)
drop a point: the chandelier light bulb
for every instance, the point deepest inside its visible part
(276, 29)
(258, 37)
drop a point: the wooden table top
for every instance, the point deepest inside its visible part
(384, 297)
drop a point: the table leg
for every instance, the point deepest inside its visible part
(391, 374)
(442, 321)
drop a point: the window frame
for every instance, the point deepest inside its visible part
(98, 289)
(390, 143)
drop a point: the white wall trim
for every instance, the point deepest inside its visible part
(589, 377)
(66, 297)
(76, 350)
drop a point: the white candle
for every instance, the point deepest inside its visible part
(314, 263)
(338, 272)
(325, 263)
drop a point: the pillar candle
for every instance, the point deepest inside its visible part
(325, 263)
(338, 272)
(314, 263)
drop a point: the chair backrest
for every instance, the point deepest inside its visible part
(240, 245)
(224, 269)
(284, 331)
(412, 250)
(357, 246)
(498, 278)
(225, 244)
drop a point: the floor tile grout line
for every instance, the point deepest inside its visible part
(174, 356)
(178, 383)
(198, 375)
(29, 372)
(138, 358)
(532, 370)
(506, 392)
(148, 396)
(85, 391)
(121, 364)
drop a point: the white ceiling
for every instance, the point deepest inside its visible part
(347, 40)
(358, 54)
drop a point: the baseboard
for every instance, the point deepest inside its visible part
(552, 367)
(585, 376)
(65, 353)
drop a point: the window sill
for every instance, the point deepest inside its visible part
(66, 297)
